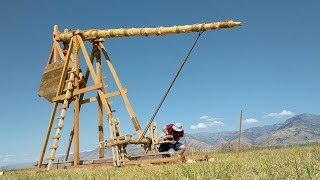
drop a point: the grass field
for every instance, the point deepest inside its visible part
(283, 163)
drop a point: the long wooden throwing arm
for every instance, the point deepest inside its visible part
(158, 31)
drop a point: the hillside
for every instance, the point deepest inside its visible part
(300, 129)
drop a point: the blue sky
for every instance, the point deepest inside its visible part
(268, 67)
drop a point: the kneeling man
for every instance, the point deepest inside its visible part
(176, 131)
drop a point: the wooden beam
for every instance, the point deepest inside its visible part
(55, 53)
(76, 146)
(107, 95)
(87, 89)
(59, 50)
(197, 158)
(157, 31)
(87, 59)
(89, 100)
(50, 55)
(79, 91)
(100, 108)
(64, 70)
(157, 160)
(115, 93)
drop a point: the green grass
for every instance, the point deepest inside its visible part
(284, 163)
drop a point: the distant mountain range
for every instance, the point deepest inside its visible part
(300, 129)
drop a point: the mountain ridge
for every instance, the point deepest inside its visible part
(299, 129)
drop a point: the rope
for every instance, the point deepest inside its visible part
(171, 84)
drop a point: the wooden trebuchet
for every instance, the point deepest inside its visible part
(158, 31)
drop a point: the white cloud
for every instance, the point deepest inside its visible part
(208, 122)
(249, 121)
(204, 117)
(215, 123)
(199, 126)
(279, 115)
(193, 127)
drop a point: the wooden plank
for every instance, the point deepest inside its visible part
(149, 155)
(87, 89)
(64, 71)
(107, 162)
(100, 107)
(59, 50)
(50, 56)
(78, 91)
(76, 146)
(107, 95)
(115, 93)
(55, 53)
(197, 158)
(89, 100)
(87, 59)
(178, 159)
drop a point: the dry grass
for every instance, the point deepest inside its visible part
(284, 163)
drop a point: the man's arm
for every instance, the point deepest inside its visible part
(164, 129)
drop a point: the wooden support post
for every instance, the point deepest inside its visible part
(153, 134)
(55, 44)
(100, 108)
(69, 144)
(81, 98)
(76, 154)
(122, 91)
(59, 50)
(239, 134)
(50, 55)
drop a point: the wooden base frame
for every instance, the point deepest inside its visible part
(107, 162)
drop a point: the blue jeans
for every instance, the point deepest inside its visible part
(168, 146)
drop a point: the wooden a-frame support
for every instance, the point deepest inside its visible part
(76, 44)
